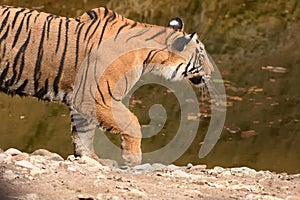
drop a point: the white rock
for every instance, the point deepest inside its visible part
(180, 173)
(25, 164)
(5, 158)
(143, 167)
(9, 175)
(13, 152)
(172, 167)
(158, 166)
(49, 155)
(138, 193)
(89, 161)
(72, 169)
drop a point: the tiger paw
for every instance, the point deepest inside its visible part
(131, 159)
(94, 160)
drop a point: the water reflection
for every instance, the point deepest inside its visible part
(255, 45)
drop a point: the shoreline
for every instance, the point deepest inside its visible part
(46, 175)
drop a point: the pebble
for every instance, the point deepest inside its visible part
(25, 164)
(9, 175)
(13, 152)
(85, 197)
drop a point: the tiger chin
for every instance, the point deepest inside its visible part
(51, 58)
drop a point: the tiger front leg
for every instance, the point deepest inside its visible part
(83, 132)
(119, 120)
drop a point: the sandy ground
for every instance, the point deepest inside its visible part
(46, 175)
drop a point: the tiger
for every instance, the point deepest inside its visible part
(55, 58)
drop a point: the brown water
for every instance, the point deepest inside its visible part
(242, 36)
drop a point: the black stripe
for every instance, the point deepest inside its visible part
(4, 73)
(110, 93)
(4, 22)
(88, 29)
(21, 88)
(22, 50)
(92, 14)
(138, 34)
(35, 18)
(59, 35)
(3, 52)
(18, 33)
(105, 12)
(95, 29)
(16, 17)
(5, 10)
(77, 45)
(85, 76)
(49, 19)
(37, 69)
(4, 36)
(102, 33)
(28, 20)
(98, 88)
(156, 35)
(62, 61)
(112, 17)
(133, 25)
(119, 30)
(176, 70)
(43, 91)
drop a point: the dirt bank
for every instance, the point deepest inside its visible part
(46, 175)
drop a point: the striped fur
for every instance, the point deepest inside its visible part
(42, 55)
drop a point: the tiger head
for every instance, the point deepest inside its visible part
(197, 67)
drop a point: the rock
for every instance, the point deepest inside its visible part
(143, 167)
(29, 197)
(71, 169)
(36, 171)
(172, 167)
(5, 158)
(189, 166)
(138, 193)
(13, 152)
(180, 173)
(85, 197)
(49, 155)
(9, 175)
(292, 198)
(89, 161)
(158, 167)
(243, 170)
(218, 169)
(72, 158)
(19, 157)
(25, 164)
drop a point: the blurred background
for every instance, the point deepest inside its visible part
(255, 45)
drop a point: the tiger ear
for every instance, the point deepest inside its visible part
(176, 23)
(181, 42)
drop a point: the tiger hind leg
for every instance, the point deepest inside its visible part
(83, 133)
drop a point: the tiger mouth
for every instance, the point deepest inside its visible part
(196, 80)
(199, 80)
